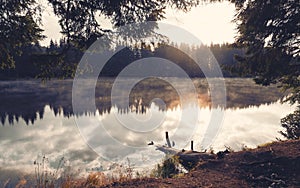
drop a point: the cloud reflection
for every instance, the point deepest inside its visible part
(57, 136)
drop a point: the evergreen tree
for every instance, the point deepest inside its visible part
(18, 27)
(270, 32)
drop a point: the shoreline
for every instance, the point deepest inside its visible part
(269, 164)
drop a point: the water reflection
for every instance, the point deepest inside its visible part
(58, 136)
(252, 117)
(26, 99)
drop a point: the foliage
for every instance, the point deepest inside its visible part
(269, 31)
(18, 27)
(45, 63)
(79, 19)
(169, 168)
(20, 21)
(292, 125)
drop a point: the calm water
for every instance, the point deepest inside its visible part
(37, 120)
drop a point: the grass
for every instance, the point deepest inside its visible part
(265, 144)
(45, 177)
(268, 164)
(63, 176)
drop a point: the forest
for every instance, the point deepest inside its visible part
(46, 62)
(59, 129)
(266, 44)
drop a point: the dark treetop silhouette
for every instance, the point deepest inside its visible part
(269, 30)
(20, 20)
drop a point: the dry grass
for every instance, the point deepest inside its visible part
(274, 163)
(63, 176)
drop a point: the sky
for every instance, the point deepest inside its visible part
(211, 23)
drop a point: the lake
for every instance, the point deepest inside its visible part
(38, 119)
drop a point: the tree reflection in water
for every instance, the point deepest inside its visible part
(27, 99)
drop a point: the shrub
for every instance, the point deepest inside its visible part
(292, 125)
(168, 169)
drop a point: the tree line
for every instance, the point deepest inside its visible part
(268, 31)
(38, 61)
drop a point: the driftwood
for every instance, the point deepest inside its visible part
(188, 158)
(167, 150)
